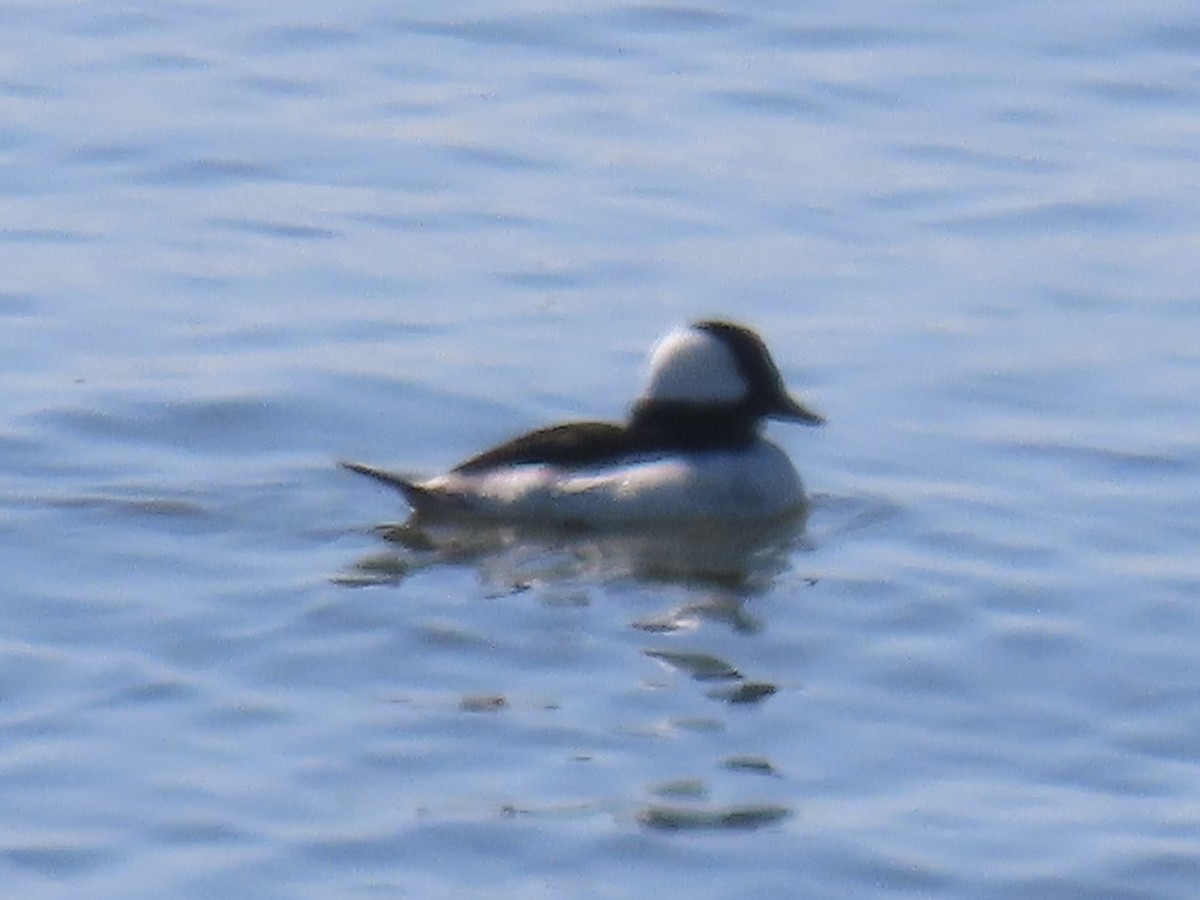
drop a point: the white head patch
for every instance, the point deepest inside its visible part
(694, 367)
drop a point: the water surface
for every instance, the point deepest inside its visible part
(239, 243)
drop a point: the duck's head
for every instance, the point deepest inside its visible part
(720, 366)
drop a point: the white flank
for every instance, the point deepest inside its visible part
(755, 484)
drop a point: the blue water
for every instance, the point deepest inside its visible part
(239, 242)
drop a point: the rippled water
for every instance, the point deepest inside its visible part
(239, 243)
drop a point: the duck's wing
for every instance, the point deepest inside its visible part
(423, 500)
(573, 444)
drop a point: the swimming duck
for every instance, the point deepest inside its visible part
(691, 450)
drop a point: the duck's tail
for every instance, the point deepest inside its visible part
(413, 493)
(422, 500)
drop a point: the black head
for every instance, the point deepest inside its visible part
(766, 395)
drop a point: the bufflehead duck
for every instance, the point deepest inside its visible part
(691, 450)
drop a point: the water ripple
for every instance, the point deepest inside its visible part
(243, 241)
